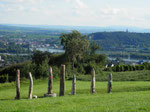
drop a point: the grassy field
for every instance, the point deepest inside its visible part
(126, 97)
(139, 75)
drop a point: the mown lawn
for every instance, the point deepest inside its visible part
(126, 97)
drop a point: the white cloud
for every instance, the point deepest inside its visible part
(80, 4)
(19, 0)
(79, 8)
(21, 8)
(112, 11)
(33, 9)
(68, 0)
(73, 12)
(11, 2)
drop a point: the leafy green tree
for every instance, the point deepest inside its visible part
(41, 70)
(39, 56)
(75, 45)
(94, 47)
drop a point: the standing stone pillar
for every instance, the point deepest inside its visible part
(110, 83)
(73, 85)
(18, 85)
(50, 81)
(50, 85)
(31, 86)
(62, 81)
(93, 81)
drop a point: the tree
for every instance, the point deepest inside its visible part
(38, 57)
(41, 70)
(40, 62)
(94, 47)
(75, 45)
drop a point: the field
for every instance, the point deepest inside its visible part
(139, 75)
(126, 97)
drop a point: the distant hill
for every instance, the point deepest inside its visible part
(82, 29)
(120, 40)
(110, 38)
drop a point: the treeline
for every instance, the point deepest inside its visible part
(12, 59)
(42, 60)
(79, 57)
(8, 31)
(123, 68)
(12, 47)
(138, 56)
(121, 40)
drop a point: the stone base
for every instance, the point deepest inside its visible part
(50, 95)
(16, 98)
(35, 96)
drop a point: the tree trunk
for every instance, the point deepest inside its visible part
(31, 86)
(50, 81)
(110, 83)
(62, 81)
(93, 81)
(18, 85)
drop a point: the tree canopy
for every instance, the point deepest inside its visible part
(94, 47)
(75, 45)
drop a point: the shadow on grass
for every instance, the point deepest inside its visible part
(24, 98)
(131, 89)
(98, 91)
(7, 99)
(123, 89)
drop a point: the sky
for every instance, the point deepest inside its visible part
(76, 12)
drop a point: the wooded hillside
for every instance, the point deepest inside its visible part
(120, 40)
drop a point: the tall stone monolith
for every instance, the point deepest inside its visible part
(93, 81)
(110, 83)
(30, 86)
(50, 81)
(73, 85)
(18, 85)
(62, 81)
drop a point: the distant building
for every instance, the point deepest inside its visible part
(55, 46)
(141, 62)
(134, 63)
(47, 45)
(109, 65)
(1, 35)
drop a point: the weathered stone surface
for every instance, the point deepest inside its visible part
(50, 95)
(50, 81)
(62, 81)
(31, 86)
(73, 85)
(18, 85)
(93, 81)
(109, 83)
(35, 96)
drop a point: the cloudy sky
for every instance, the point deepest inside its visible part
(76, 12)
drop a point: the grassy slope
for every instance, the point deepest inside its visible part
(141, 75)
(127, 96)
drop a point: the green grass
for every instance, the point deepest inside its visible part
(125, 97)
(141, 75)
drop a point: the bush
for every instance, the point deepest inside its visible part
(4, 78)
(41, 70)
(25, 68)
(121, 68)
